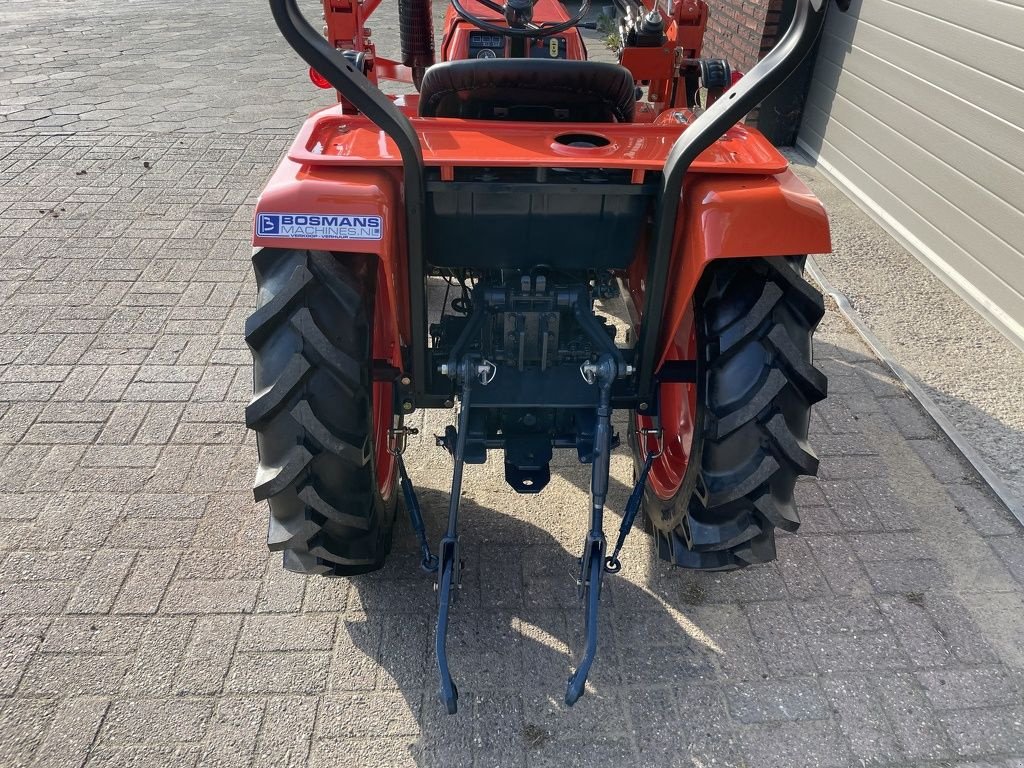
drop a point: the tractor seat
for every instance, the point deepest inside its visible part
(541, 90)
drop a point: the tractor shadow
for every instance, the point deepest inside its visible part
(566, 466)
(673, 644)
(517, 630)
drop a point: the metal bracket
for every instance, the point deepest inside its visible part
(612, 564)
(604, 373)
(450, 568)
(398, 437)
(429, 560)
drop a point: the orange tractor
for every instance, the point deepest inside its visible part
(538, 185)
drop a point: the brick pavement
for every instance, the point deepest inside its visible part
(143, 623)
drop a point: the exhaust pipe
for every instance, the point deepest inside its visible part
(416, 33)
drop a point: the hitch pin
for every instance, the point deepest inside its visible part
(589, 372)
(486, 370)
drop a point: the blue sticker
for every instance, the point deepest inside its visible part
(319, 226)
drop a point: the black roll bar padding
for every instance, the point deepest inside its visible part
(763, 78)
(368, 99)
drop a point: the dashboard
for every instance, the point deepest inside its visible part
(484, 45)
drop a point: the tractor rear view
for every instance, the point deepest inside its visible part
(534, 182)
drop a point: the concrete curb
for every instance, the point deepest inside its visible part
(881, 351)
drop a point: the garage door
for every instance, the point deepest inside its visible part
(916, 109)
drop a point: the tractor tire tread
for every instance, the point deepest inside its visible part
(747, 324)
(263, 320)
(757, 318)
(311, 342)
(316, 502)
(271, 481)
(342, 447)
(346, 368)
(755, 404)
(266, 403)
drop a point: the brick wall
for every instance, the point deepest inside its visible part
(741, 31)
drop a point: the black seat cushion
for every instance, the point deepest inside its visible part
(543, 90)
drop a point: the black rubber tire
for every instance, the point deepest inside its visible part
(756, 385)
(312, 411)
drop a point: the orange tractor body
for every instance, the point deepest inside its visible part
(539, 186)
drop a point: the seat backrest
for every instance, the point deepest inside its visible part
(542, 90)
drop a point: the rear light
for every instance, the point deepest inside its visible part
(317, 79)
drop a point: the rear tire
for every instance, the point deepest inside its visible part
(756, 385)
(311, 340)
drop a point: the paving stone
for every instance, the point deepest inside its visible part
(155, 721)
(366, 715)
(909, 418)
(849, 635)
(795, 744)
(286, 633)
(159, 657)
(804, 579)
(963, 636)
(74, 674)
(20, 638)
(856, 705)
(398, 752)
(907, 576)
(101, 582)
(1011, 551)
(291, 672)
(780, 638)
(844, 572)
(943, 461)
(999, 616)
(23, 726)
(34, 598)
(919, 636)
(205, 663)
(211, 596)
(287, 732)
(93, 634)
(915, 724)
(231, 736)
(972, 687)
(281, 591)
(144, 588)
(72, 731)
(986, 731)
(985, 512)
(782, 700)
(123, 423)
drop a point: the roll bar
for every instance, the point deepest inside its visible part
(767, 75)
(762, 79)
(368, 99)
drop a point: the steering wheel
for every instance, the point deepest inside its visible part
(519, 11)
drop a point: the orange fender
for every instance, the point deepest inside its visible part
(732, 217)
